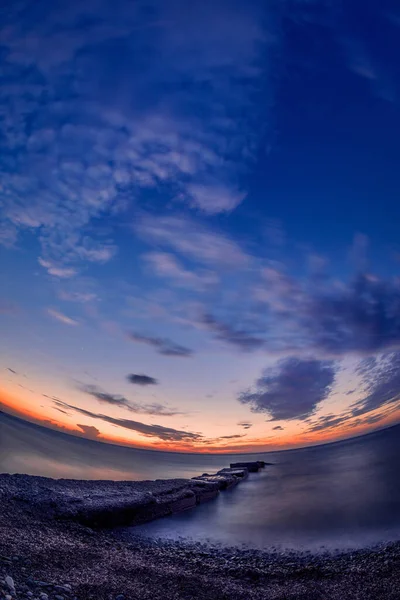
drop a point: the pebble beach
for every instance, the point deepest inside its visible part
(44, 557)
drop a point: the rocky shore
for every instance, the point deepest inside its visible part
(111, 503)
(47, 552)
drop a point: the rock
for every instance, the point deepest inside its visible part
(120, 597)
(8, 597)
(62, 588)
(29, 594)
(237, 473)
(252, 467)
(57, 597)
(10, 583)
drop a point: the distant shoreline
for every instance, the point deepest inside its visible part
(175, 453)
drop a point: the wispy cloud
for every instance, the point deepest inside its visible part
(59, 316)
(245, 424)
(168, 266)
(381, 380)
(57, 270)
(154, 431)
(192, 239)
(239, 338)
(92, 152)
(122, 402)
(162, 345)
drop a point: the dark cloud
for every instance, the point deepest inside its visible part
(106, 398)
(158, 431)
(239, 338)
(363, 317)
(141, 379)
(245, 424)
(162, 345)
(232, 437)
(122, 402)
(333, 319)
(278, 428)
(89, 431)
(350, 392)
(291, 390)
(61, 410)
(382, 383)
(12, 371)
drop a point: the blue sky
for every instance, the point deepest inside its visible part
(205, 195)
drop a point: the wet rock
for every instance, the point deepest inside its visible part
(252, 467)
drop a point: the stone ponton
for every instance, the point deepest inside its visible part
(98, 504)
(252, 467)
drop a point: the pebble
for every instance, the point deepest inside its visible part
(8, 597)
(43, 596)
(59, 597)
(10, 583)
(120, 597)
(29, 594)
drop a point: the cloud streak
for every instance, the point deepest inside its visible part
(59, 316)
(122, 402)
(167, 434)
(163, 346)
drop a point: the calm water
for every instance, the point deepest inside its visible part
(337, 495)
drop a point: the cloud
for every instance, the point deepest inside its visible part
(122, 402)
(277, 428)
(358, 252)
(76, 152)
(166, 265)
(61, 317)
(61, 410)
(155, 431)
(191, 239)
(360, 316)
(382, 383)
(292, 389)
(232, 437)
(245, 424)
(163, 346)
(363, 317)
(329, 421)
(214, 198)
(57, 270)
(12, 371)
(239, 338)
(141, 379)
(90, 432)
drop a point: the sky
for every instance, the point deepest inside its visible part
(199, 220)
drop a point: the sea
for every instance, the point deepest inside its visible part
(334, 496)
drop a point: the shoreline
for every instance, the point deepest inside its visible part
(49, 558)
